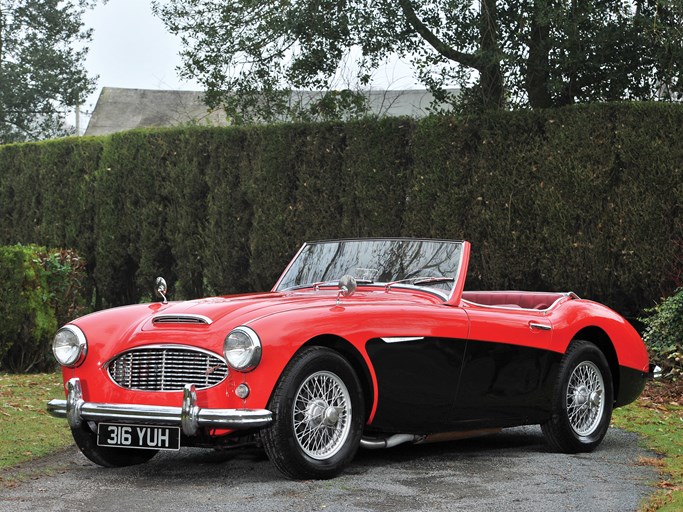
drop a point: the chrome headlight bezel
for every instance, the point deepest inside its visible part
(70, 346)
(242, 349)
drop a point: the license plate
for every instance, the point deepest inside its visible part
(138, 436)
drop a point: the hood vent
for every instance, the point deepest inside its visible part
(186, 319)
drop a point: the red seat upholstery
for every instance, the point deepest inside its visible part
(526, 300)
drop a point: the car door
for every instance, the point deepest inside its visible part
(418, 368)
(509, 367)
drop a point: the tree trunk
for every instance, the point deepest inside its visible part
(570, 89)
(490, 73)
(486, 60)
(537, 73)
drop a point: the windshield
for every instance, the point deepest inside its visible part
(432, 263)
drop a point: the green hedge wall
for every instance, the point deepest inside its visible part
(586, 198)
(39, 291)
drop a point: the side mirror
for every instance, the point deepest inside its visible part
(160, 289)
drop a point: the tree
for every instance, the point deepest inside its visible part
(41, 66)
(538, 53)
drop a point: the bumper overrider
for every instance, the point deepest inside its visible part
(189, 416)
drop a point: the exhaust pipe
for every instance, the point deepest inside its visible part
(372, 443)
(378, 443)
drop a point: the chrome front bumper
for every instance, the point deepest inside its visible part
(189, 416)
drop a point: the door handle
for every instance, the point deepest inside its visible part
(539, 327)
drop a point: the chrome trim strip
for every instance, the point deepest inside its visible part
(173, 319)
(457, 274)
(399, 339)
(189, 416)
(169, 346)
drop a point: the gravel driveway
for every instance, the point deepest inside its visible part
(512, 470)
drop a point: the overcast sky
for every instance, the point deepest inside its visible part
(131, 48)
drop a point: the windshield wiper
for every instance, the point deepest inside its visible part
(421, 281)
(324, 283)
(432, 280)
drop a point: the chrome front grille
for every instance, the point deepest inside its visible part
(167, 368)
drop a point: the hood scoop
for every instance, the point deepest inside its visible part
(184, 319)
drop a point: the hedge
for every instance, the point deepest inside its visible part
(39, 291)
(585, 198)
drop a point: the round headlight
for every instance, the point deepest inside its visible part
(242, 349)
(69, 346)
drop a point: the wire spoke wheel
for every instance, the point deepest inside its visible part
(585, 398)
(321, 415)
(582, 401)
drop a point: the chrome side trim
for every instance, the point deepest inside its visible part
(399, 339)
(189, 416)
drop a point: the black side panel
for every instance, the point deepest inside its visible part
(417, 381)
(631, 385)
(422, 388)
(504, 385)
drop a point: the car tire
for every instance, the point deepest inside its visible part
(86, 440)
(582, 400)
(318, 416)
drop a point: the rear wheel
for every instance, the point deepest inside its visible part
(582, 401)
(318, 409)
(86, 440)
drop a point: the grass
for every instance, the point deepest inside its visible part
(27, 431)
(660, 425)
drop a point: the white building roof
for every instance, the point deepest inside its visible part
(120, 109)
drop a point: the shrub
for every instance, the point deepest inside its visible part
(663, 334)
(39, 291)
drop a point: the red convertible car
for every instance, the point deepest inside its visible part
(361, 343)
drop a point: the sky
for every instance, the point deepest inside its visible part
(130, 48)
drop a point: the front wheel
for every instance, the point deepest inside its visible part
(86, 440)
(319, 414)
(582, 402)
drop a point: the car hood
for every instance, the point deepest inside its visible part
(206, 321)
(226, 312)
(212, 310)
